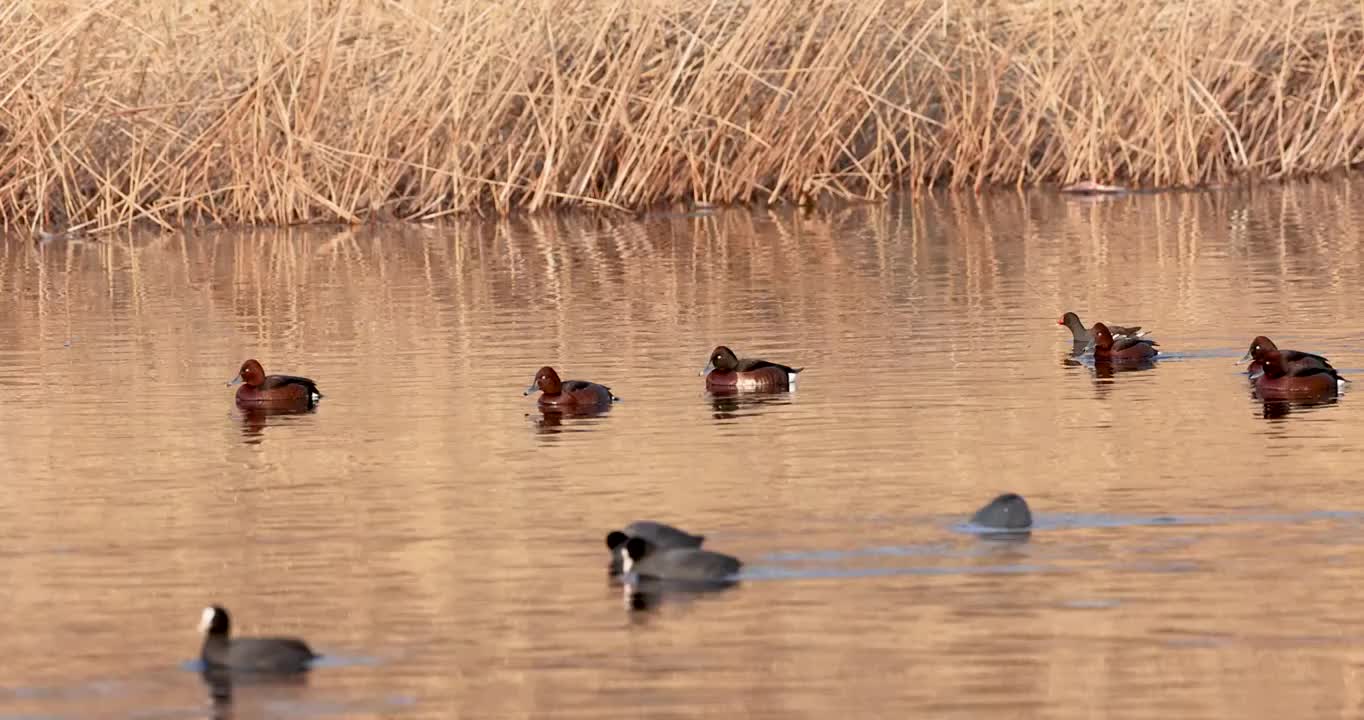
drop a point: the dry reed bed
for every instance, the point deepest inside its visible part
(161, 112)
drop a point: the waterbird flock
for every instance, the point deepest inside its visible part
(652, 557)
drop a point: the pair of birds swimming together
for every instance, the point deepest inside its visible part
(1277, 374)
(725, 373)
(1114, 343)
(642, 551)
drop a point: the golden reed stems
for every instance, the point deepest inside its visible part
(173, 112)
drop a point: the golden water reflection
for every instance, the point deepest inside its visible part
(439, 536)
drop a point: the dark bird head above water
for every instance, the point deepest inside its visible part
(1258, 347)
(1103, 339)
(722, 359)
(637, 549)
(214, 620)
(1273, 363)
(251, 373)
(546, 381)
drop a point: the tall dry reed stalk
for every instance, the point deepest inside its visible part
(171, 112)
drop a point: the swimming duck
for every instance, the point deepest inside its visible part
(1280, 382)
(259, 390)
(1107, 349)
(725, 372)
(568, 394)
(1292, 359)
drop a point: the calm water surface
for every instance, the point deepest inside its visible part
(1198, 553)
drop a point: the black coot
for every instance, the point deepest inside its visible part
(689, 565)
(256, 655)
(657, 533)
(1006, 512)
